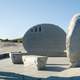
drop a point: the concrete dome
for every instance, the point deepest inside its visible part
(45, 40)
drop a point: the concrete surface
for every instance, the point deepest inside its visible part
(57, 68)
(54, 67)
(16, 57)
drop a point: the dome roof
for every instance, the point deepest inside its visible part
(44, 39)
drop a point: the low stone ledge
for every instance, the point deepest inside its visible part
(4, 55)
(34, 62)
(16, 57)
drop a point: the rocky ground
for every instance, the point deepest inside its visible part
(7, 47)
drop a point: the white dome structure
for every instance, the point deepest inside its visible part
(73, 40)
(45, 40)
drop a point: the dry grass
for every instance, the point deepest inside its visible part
(11, 47)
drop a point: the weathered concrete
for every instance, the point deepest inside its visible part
(16, 57)
(54, 68)
(45, 40)
(35, 62)
(57, 68)
(73, 40)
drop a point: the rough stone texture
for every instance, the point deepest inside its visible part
(73, 41)
(35, 62)
(16, 57)
(45, 40)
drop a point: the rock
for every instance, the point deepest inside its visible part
(73, 41)
(34, 62)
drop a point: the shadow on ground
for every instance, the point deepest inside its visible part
(4, 56)
(53, 67)
(14, 76)
(64, 78)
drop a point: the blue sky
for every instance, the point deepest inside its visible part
(16, 16)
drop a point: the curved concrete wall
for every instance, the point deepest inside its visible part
(45, 40)
(73, 39)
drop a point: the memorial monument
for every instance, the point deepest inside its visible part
(45, 40)
(73, 41)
